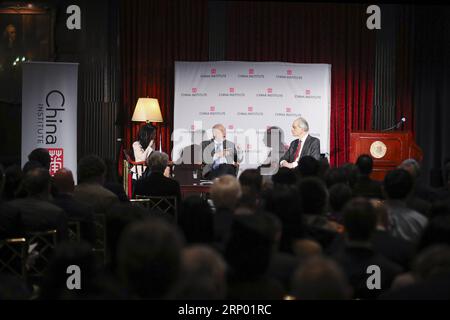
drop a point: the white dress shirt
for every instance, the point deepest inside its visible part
(140, 155)
(295, 162)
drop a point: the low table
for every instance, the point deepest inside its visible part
(192, 189)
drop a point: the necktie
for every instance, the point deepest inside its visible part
(218, 148)
(297, 152)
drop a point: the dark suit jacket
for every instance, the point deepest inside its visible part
(156, 184)
(96, 196)
(78, 211)
(366, 187)
(9, 221)
(310, 148)
(41, 215)
(354, 262)
(395, 249)
(208, 151)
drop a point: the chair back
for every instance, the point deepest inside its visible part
(163, 205)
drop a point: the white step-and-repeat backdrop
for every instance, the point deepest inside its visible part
(247, 98)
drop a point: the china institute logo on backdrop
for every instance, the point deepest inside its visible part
(213, 73)
(56, 159)
(195, 92)
(251, 74)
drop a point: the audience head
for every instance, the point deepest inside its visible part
(320, 278)
(149, 258)
(284, 202)
(118, 217)
(196, 219)
(37, 182)
(56, 278)
(340, 194)
(308, 167)
(313, 196)
(412, 166)
(364, 164)
(158, 161)
(225, 192)
(284, 176)
(41, 156)
(360, 220)
(63, 181)
(249, 248)
(30, 165)
(306, 248)
(336, 175)
(91, 168)
(251, 180)
(431, 262)
(398, 184)
(352, 172)
(146, 134)
(203, 273)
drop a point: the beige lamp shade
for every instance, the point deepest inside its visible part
(147, 109)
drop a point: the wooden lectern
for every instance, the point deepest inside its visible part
(388, 149)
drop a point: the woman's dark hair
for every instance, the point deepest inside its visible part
(146, 134)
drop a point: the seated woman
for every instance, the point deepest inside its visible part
(142, 148)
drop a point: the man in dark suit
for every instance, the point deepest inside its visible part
(219, 154)
(64, 186)
(156, 184)
(9, 216)
(360, 220)
(36, 211)
(303, 145)
(90, 190)
(365, 186)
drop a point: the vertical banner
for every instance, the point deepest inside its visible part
(49, 112)
(247, 98)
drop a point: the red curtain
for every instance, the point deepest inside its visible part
(153, 35)
(313, 33)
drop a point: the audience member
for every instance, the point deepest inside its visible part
(203, 275)
(404, 223)
(248, 253)
(149, 258)
(360, 220)
(320, 278)
(225, 193)
(90, 190)
(366, 186)
(37, 213)
(64, 188)
(197, 220)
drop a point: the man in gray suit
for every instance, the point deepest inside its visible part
(219, 155)
(304, 145)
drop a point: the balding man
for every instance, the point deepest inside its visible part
(303, 145)
(63, 189)
(219, 154)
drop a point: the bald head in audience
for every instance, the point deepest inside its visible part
(203, 273)
(320, 278)
(225, 192)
